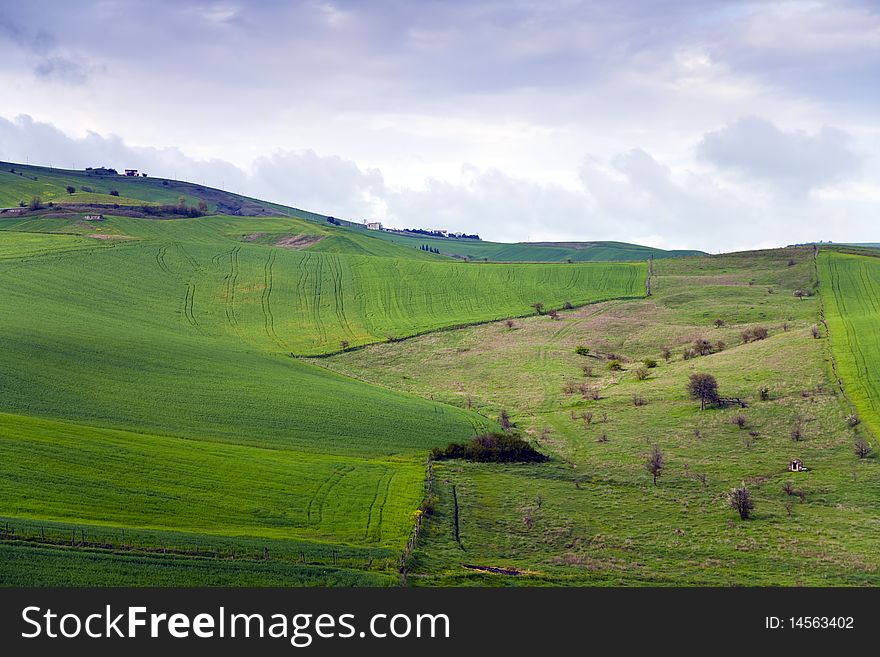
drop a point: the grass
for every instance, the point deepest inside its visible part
(530, 252)
(591, 515)
(27, 566)
(850, 286)
(149, 381)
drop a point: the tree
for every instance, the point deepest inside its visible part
(203, 207)
(71, 189)
(36, 203)
(655, 463)
(666, 353)
(863, 448)
(703, 387)
(740, 499)
(344, 345)
(504, 420)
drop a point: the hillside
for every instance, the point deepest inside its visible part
(20, 183)
(532, 251)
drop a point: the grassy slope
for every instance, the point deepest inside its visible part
(148, 376)
(591, 515)
(532, 252)
(850, 286)
(50, 185)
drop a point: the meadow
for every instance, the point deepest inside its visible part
(850, 286)
(591, 515)
(152, 383)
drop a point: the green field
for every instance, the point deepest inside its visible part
(591, 516)
(532, 252)
(151, 381)
(851, 288)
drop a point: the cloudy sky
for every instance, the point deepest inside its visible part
(685, 123)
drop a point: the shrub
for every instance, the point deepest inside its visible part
(815, 331)
(344, 345)
(764, 391)
(509, 323)
(666, 353)
(203, 207)
(504, 420)
(702, 346)
(740, 499)
(588, 370)
(754, 333)
(114, 192)
(539, 307)
(36, 203)
(791, 262)
(801, 293)
(553, 314)
(639, 400)
(703, 387)
(650, 363)
(71, 189)
(739, 420)
(862, 448)
(603, 438)
(641, 373)
(567, 306)
(718, 323)
(655, 463)
(720, 346)
(582, 351)
(689, 353)
(614, 365)
(491, 448)
(853, 420)
(797, 434)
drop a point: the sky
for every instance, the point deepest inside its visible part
(679, 124)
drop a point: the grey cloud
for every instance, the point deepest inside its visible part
(793, 161)
(49, 63)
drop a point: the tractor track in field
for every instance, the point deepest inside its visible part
(160, 259)
(338, 294)
(188, 301)
(323, 493)
(231, 282)
(372, 516)
(266, 300)
(192, 261)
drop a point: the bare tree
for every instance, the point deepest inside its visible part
(655, 463)
(666, 353)
(703, 387)
(740, 499)
(504, 420)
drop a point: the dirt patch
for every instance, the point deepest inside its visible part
(104, 236)
(298, 241)
(252, 238)
(493, 569)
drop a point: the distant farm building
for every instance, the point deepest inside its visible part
(94, 217)
(131, 172)
(795, 465)
(13, 210)
(374, 225)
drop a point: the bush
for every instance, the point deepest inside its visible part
(114, 192)
(582, 351)
(567, 306)
(801, 293)
(641, 373)
(639, 400)
(587, 370)
(491, 448)
(71, 189)
(862, 448)
(666, 353)
(718, 323)
(739, 420)
(764, 391)
(815, 331)
(650, 363)
(703, 387)
(539, 307)
(755, 333)
(36, 203)
(614, 365)
(853, 420)
(740, 499)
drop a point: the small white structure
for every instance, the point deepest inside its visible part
(374, 225)
(94, 217)
(131, 172)
(795, 465)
